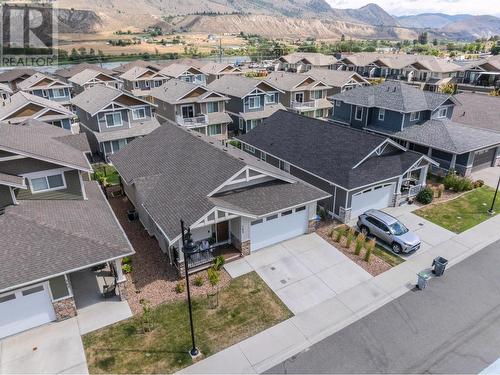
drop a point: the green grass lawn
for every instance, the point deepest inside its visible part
(463, 212)
(246, 307)
(112, 176)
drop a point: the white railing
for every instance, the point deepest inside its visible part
(192, 121)
(411, 190)
(310, 104)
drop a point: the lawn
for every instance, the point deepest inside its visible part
(246, 306)
(109, 172)
(461, 213)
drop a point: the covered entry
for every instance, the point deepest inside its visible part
(278, 227)
(375, 197)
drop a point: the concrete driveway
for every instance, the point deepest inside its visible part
(488, 175)
(303, 271)
(50, 349)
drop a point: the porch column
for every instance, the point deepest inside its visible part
(453, 161)
(423, 175)
(120, 280)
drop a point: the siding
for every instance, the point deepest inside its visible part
(392, 119)
(342, 113)
(5, 196)
(28, 165)
(72, 191)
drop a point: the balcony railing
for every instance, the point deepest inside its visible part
(189, 122)
(310, 104)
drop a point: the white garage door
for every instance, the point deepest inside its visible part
(376, 197)
(279, 227)
(24, 309)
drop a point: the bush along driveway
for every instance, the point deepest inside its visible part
(462, 213)
(159, 340)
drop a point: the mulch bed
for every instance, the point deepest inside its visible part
(152, 277)
(375, 267)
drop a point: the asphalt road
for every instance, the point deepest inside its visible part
(451, 327)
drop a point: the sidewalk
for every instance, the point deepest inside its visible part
(272, 346)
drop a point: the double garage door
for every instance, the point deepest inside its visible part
(278, 227)
(376, 197)
(24, 309)
(483, 159)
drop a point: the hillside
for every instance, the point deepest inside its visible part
(430, 20)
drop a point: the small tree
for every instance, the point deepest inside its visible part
(360, 241)
(147, 316)
(214, 279)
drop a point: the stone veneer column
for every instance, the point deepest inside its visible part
(181, 269)
(64, 308)
(245, 248)
(311, 226)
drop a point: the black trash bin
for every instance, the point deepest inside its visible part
(439, 266)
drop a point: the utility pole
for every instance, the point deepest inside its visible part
(220, 48)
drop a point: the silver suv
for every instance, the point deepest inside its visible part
(388, 229)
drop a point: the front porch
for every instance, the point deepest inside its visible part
(410, 184)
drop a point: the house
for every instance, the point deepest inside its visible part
(112, 118)
(419, 120)
(192, 106)
(359, 169)
(140, 80)
(67, 73)
(214, 70)
(229, 199)
(478, 110)
(55, 226)
(251, 100)
(90, 77)
(338, 80)
(13, 76)
(299, 62)
(22, 106)
(185, 73)
(484, 72)
(5, 91)
(302, 93)
(137, 63)
(47, 87)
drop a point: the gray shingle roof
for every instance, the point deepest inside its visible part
(335, 78)
(393, 95)
(21, 98)
(175, 170)
(138, 63)
(315, 58)
(13, 74)
(173, 90)
(75, 69)
(478, 110)
(176, 69)
(95, 98)
(445, 135)
(137, 129)
(48, 237)
(287, 81)
(86, 75)
(32, 82)
(235, 85)
(328, 150)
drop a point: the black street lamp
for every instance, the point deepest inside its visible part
(188, 248)
(491, 211)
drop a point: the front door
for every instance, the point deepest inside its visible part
(222, 231)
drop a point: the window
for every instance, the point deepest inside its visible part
(359, 113)
(414, 116)
(187, 111)
(254, 102)
(338, 103)
(317, 94)
(318, 113)
(442, 112)
(255, 222)
(45, 183)
(270, 98)
(215, 129)
(36, 289)
(138, 113)
(263, 156)
(284, 166)
(286, 213)
(213, 107)
(118, 145)
(45, 94)
(59, 93)
(272, 217)
(136, 84)
(241, 124)
(299, 97)
(59, 287)
(114, 119)
(147, 84)
(298, 209)
(157, 83)
(249, 148)
(381, 114)
(7, 298)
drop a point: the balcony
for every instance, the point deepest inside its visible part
(192, 122)
(305, 105)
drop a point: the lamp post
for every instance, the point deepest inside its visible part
(491, 211)
(188, 248)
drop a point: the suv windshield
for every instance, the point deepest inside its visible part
(398, 228)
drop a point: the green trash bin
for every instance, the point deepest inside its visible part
(423, 279)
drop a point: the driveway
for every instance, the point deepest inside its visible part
(488, 175)
(303, 271)
(52, 348)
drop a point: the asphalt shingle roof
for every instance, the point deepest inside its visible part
(173, 90)
(13, 74)
(235, 85)
(21, 98)
(70, 72)
(328, 150)
(334, 78)
(86, 75)
(287, 81)
(478, 110)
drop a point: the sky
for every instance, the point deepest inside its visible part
(403, 7)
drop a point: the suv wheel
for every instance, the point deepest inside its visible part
(364, 230)
(396, 248)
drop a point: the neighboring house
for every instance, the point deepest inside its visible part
(12, 77)
(54, 225)
(339, 81)
(140, 80)
(137, 63)
(214, 70)
(5, 91)
(360, 170)
(67, 73)
(251, 100)
(484, 72)
(112, 119)
(22, 106)
(299, 62)
(192, 106)
(302, 93)
(419, 120)
(89, 77)
(186, 73)
(232, 200)
(47, 87)
(478, 110)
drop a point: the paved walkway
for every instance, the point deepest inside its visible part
(304, 271)
(488, 175)
(272, 346)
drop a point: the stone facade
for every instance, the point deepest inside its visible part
(122, 290)
(65, 308)
(344, 215)
(245, 248)
(311, 226)
(181, 269)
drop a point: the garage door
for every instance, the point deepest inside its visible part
(483, 159)
(279, 227)
(372, 198)
(24, 309)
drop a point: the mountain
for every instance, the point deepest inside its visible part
(430, 20)
(371, 14)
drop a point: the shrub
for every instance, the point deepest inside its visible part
(198, 280)
(322, 214)
(340, 233)
(179, 287)
(234, 143)
(440, 190)
(219, 262)
(213, 276)
(331, 233)
(478, 184)
(360, 241)
(350, 237)
(457, 183)
(126, 260)
(425, 196)
(127, 268)
(369, 249)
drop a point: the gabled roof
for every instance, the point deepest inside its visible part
(179, 172)
(176, 91)
(492, 61)
(445, 135)
(478, 110)
(138, 63)
(237, 86)
(313, 58)
(220, 68)
(86, 75)
(6, 88)
(45, 142)
(290, 81)
(137, 73)
(98, 97)
(175, 70)
(335, 153)
(437, 65)
(12, 180)
(34, 81)
(136, 129)
(75, 69)
(394, 96)
(13, 74)
(335, 78)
